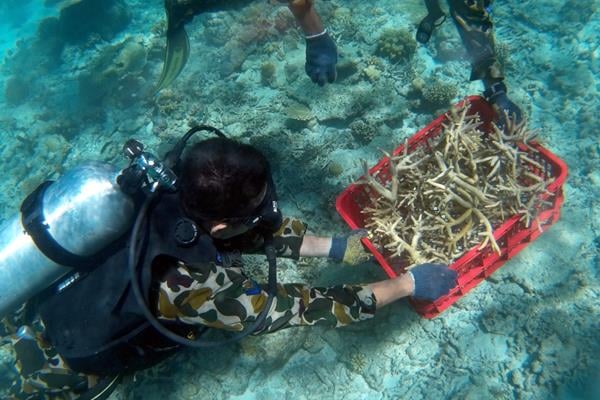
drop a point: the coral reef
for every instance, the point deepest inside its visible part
(502, 53)
(78, 20)
(343, 23)
(267, 73)
(335, 169)
(16, 90)
(576, 13)
(396, 45)
(115, 74)
(78, 23)
(536, 315)
(346, 68)
(437, 93)
(372, 73)
(363, 131)
(298, 114)
(439, 202)
(357, 361)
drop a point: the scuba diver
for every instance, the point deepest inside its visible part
(473, 22)
(196, 214)
(321, 51)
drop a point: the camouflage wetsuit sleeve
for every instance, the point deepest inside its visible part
(225, 298)
(474, 25)
(287, 240)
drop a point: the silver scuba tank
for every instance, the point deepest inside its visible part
(78, 215)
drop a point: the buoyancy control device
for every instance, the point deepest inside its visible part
(66, 224)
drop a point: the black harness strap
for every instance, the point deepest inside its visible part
(32, 218)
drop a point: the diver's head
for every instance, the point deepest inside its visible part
(224, 185)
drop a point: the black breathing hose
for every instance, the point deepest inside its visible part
(174, 155)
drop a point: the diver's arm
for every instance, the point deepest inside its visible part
(321, 51)
(225, 298)
(388, 291)
(315, 246)
(307, 17)
(347, 248)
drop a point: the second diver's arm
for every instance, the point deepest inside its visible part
(307, 17)
(321, 50)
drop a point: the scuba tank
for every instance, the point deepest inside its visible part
(62, 225)
(65, 225)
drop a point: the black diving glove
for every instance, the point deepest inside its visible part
(432, 281)
(496, 95)
(321, 58)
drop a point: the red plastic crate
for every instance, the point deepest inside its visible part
(474, 265)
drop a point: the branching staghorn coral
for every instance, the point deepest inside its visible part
(436, 201)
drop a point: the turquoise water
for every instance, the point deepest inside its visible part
(531, 331)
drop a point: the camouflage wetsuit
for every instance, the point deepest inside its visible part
(202, 294)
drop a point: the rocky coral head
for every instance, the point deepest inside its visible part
(81, 18)
(438, 94)
(16, 90)
(396, 45)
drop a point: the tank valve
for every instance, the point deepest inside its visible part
(145, 171)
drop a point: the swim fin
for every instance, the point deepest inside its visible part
(176, 56)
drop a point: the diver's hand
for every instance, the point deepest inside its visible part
(321, 58)
(504, 107)
(432, 281)
(349, 248)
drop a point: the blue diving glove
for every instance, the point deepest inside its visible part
(349, 249)
(496, 95)
(321, 57)
(432, 281)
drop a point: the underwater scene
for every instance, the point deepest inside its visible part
(79, 78)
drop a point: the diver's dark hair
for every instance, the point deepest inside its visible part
(221, 178)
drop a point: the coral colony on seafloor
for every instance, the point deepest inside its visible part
(447, 195)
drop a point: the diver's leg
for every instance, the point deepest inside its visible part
(476, 31)
(434, 17)
(41, 372)
(474, 25)
(181, 12)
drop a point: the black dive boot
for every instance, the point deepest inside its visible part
(428, 24)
